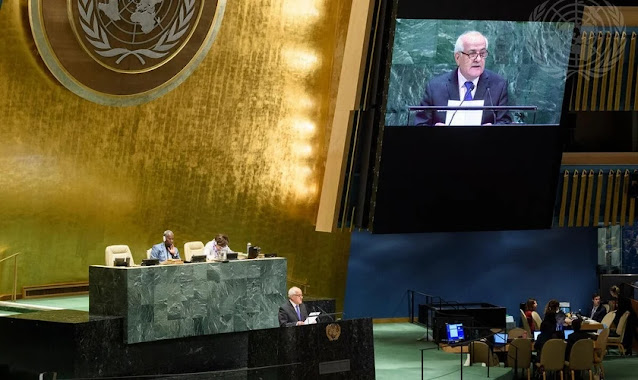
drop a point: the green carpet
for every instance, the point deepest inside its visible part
(397, 355)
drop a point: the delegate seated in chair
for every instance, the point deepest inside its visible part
(165, 250)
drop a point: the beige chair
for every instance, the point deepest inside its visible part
(193, 248)
(526, 324)
(480, 353)
(616, 341)
(581, 357)
(606, 306)
(516, 332)
(519, 355)
(113, 252)
(148, 253)
(608, 319)
(600, 350)
(537, 321)
(552, 357)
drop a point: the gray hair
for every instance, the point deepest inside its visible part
(458, 47)
(292, 291)
(168, 232)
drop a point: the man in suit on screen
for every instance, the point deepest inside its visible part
(293, 312)
(470, 81)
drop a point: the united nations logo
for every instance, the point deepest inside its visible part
(123, 52)
(333, 331)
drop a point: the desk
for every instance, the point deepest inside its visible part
(175, 301)
(591, 326)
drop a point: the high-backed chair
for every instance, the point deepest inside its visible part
(519, 355)
(581, 357)
(516, 332)
(113, 252)
(616, 341)
(537, 321)
(608, 319)
(193, 248)
(480, 353)
(600, 350)
(148, 253)
(526, 324)
(552, 357)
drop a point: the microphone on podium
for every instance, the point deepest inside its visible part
(489, 93)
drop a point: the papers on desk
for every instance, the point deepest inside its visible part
(461, 117)
(312, 318)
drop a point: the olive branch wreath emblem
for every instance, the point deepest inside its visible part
(97, 36)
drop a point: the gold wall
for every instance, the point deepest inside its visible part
(238, 148)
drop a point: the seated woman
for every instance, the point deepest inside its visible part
(218, 248)
(548, 331)
(530, 307)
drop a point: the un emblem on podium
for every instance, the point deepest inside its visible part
(333, 331)
(124, 52)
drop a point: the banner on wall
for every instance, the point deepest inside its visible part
(124, 53)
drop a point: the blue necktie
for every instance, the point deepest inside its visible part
(468, 94)
(298, 313)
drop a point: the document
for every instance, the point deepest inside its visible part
(463, 117)
(312, 318)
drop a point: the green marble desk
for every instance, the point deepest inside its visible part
(175, 301)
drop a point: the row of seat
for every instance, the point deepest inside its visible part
(584, 355)
(122, 251)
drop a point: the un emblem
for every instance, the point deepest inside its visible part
(124, 52)
(333, 331)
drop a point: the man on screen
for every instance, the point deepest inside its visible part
(470, 81)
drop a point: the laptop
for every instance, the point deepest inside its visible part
(500, 339)
(536, 334)
(567, 333)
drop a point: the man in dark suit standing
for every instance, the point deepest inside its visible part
(293, 312)
(470, 81)
(598, 311)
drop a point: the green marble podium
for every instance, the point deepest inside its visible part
(176, 301)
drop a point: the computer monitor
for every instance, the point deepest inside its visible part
(455, 332)
(565, 307)
(500, 338)
(198, 258)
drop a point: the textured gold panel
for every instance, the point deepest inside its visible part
(238, 148)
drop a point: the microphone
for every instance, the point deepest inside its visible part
(324, 312)
(460, 104)
(489, 93)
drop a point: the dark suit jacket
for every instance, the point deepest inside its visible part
(599, 313)
(288, 315)
(445, 87)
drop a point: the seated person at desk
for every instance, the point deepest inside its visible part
(218, 248)
(575, 336)
(623, 304)
(293, 312)
(598, 311)
(165, 250)
(530, 307)
(548, 331)
(470, 81)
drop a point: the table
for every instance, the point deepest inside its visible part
(174, 301)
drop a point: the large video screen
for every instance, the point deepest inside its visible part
(515, 64)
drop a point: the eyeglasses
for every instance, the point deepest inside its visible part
(473, 55)
(298, 295)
